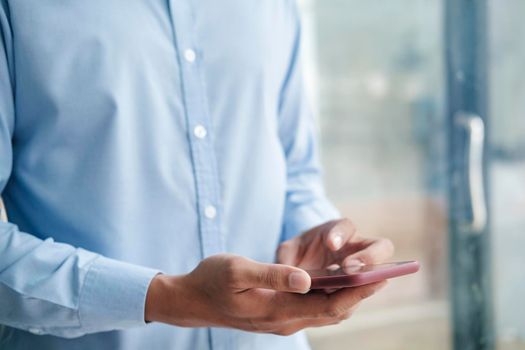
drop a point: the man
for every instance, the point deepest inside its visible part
(141, 138)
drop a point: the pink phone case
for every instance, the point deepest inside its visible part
(354, 276)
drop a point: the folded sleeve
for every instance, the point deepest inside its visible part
(306, 203)
(48, 287)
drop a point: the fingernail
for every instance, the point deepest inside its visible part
(297, 281)
(337, 241)
(353, 262)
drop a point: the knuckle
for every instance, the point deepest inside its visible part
(345, 315)
(286, 332)
(257, 325)
(232, 271)
(338, 313)
(333, 311)
(235, 262)
(332, 322)
(264, 321)
(335, 322)
(253, 325)
(271, 318)
(364, 293)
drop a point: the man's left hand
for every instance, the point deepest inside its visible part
(335, 242)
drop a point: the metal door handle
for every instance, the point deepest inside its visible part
(475, 128)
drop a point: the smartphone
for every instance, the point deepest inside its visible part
(353, 276)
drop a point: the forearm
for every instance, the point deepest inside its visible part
(54, 288)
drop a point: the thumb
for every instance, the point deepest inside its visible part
(278, 277)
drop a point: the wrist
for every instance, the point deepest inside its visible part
(163, 292)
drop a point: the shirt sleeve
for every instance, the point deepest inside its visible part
(54, 288)
(306, 203)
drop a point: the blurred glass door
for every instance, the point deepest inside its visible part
(420, 105)
(506, 169)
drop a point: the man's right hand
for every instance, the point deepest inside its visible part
(235, 292)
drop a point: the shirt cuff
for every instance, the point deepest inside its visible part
(306, 216)
(114, 295)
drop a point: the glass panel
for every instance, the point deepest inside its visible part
(507, 54)
(377, 73)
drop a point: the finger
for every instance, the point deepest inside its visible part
(286, 324)
(279, 325)
(320, 322)
(251, 274)
(287, 252)
(375, 252)
(290, 313)
(337, 235)
(347, 298)
(294, 327)
(321, 305)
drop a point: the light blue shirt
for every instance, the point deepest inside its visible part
(139, 136)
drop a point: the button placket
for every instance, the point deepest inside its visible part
(200, 132)
(199, 128)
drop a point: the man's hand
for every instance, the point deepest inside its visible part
(235, 292)
(335, 242)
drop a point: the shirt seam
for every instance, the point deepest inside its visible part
(82, 291)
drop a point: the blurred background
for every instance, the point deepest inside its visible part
(386, 80)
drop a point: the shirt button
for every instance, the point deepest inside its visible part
(210, 212)
(190, 55)
(200, 131)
